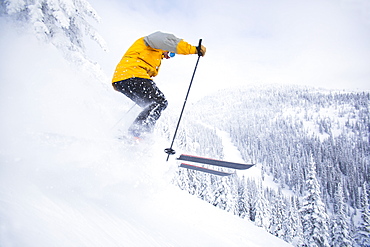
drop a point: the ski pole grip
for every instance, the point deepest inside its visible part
(198, 48)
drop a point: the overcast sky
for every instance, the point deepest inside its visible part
(322, 43)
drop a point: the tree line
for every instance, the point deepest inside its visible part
(312, 143)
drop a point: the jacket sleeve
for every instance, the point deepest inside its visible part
(185, 48)
(169, 42)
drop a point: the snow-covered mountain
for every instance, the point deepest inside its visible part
(67, 180)
(312, 153)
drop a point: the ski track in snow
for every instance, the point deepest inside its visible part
(232, 154)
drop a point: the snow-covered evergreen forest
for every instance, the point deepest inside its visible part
(313, 144)
(311, 147)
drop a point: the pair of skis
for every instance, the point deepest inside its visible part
(213, 162)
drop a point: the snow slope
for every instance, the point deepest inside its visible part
(67, 180)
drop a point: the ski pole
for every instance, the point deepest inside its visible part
(169, 151)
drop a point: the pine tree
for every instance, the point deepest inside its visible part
(220, 197)
(231, 195)
(296, 223)
(278, 214)
(262, 209)
(314, 217)
(340, 230)
(64, 23)
(287, 222)
(252, 194)
(243, 199)
(209, 195)
(363, 230)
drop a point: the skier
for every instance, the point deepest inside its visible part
(138, 65)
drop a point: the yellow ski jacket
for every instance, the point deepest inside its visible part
(143, 58)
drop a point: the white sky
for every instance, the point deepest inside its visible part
(322, 43)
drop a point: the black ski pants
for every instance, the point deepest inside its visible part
(147, 95)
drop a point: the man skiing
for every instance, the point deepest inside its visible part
(138, 65)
